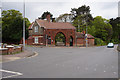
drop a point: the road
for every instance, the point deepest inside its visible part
(92, 62)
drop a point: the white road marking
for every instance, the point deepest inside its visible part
(15, 73)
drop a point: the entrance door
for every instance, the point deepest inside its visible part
(71, 41)
(49, 40)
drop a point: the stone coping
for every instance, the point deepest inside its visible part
(3, 49)
(9, 46)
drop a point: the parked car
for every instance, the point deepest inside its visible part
(110, 45)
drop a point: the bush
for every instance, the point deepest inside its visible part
(99, 42)
(118, 47)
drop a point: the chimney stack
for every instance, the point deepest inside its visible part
(48, 17)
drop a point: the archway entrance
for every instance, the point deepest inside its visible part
(71, 41)
(60, 39)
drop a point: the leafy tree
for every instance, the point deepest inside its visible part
(116, 29)
(12, 26)
(100, 28)
(81, 17)
(60, 38)
(83, 10)
(44, 15)
(79, 23)
(65, 18)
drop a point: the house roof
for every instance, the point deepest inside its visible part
(81, 35)
(30, 37)
(54, 25)
(89, 36)
(30, 27)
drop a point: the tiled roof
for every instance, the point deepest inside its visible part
(89, 36)
(54, 25)
(30, 37)
(30, 27)
(81, 35)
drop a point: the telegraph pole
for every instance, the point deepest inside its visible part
(86, 32)
(86, 36)
(24, 24)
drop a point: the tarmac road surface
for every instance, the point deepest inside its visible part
(56, 62)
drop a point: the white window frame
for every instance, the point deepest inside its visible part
(36, 40)
(36, 28)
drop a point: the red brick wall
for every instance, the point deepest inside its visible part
(90, 42)
(53, 32)
(66, 32)
(3, 52)
(30, 41)
(80, 41)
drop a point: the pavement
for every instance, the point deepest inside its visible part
(56, 62)
(24, 54)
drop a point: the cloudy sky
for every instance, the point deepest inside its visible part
(35, 8)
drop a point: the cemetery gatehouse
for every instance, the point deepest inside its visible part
(45, 33)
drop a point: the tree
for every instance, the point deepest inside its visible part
(100, 28)
(81, 17)
(83, 10)
(65, 18)
(44, 15)
(12, 26)
(79, 23)
(116, 29)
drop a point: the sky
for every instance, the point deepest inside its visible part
(35, 8)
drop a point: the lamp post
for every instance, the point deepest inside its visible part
(24, 25)
(86, 30)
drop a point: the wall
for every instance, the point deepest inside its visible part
(91, 42)
(80, 41)
(67, 32)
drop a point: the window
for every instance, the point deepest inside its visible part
(36, 40)
(36, 28)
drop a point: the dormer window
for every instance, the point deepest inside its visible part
(36, 28)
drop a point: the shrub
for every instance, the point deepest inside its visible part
(99, 42)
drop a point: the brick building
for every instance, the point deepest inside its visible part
(43, 32)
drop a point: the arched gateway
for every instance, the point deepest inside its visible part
(60, 39)
(44, 32)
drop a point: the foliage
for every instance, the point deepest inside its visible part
(60, 37)
(99, 42)
(44, 15)
(79, 23)
(65, 18)
(81, 17)
(12, 26)
(100, 28)
(116, 29)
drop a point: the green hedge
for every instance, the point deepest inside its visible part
(118, 47)
(99, 42)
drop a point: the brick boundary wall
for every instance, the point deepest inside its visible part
(10, 50)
